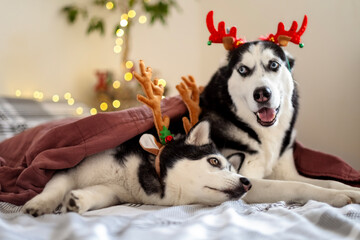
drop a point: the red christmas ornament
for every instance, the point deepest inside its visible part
(168, 138)
(101, 83)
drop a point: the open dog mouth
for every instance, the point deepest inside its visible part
(267, 116)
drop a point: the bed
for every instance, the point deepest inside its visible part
(230, 220)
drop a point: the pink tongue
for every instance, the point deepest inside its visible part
(267, 114)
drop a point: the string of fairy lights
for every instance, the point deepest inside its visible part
(70, 100)
(40, 96)
(124, 21)
(128, 76)
(68, 97)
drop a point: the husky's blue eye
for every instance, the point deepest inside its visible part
(274, 65)
(244, 71)
(214, 161)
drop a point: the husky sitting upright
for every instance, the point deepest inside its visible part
(186, 170)
(252, 105)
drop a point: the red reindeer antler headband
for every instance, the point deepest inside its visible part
(230, 41)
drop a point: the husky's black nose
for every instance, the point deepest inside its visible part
(246, 183)
(262, 94)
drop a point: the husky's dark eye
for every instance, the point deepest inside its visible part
(244, 71)
(214, 161)
(273, 65)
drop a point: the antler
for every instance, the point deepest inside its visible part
(229, 39)
(282, 37)
(154, 93)
(190, 94)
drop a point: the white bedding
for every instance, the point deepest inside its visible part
(230, 220)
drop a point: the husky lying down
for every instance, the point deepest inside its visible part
(251, 103)
(191, 170)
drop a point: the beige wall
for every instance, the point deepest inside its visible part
(39, 51)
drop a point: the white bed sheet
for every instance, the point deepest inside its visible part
(230, 220)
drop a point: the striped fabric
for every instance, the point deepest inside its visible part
(17, 114)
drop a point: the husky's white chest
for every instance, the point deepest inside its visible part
(261, 163)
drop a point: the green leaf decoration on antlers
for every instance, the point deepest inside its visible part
(165, 135)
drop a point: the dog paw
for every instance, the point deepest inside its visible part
(353, 195)
(344, 197)
(340, 200)
(74, 202)
(38, 207)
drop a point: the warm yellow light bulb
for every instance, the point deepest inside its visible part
(117, 49)
(71, 101)
(93, 111)
(124, 16)
(119, 32)
(116, 103)
(142, 19)
(131, 13)
(67, 96)
(116, 84)
(109, 5)
(38, 95)
(103, 106)
(119, 41)
(162, 82)
(79, 110)
(18, 93)
(128, 76)
(55, 98)
(124, 23)
(129, 64)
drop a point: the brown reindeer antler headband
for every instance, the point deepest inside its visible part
(230, 41)
(190, 94)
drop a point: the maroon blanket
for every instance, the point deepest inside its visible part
(29, 160)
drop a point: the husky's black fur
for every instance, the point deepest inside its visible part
(174, 151)
(177, 150)
(147, 176)
(295, 103)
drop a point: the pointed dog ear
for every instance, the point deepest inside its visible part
(149, 144)
(236, 159)
(199, 134)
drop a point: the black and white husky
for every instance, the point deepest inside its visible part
(252, 105)
(192, 171)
